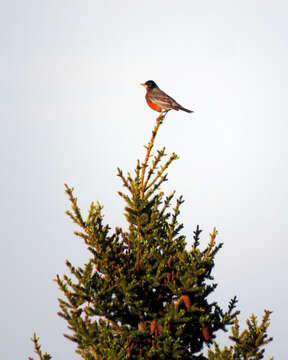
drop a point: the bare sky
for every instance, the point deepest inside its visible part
(72, 110)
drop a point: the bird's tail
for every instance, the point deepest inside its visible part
(183, 109)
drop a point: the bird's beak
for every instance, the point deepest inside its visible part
(143, 84)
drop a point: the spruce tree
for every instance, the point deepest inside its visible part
(144, 294)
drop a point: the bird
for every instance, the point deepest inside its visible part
(159, 101)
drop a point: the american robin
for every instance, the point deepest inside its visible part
(158, 100)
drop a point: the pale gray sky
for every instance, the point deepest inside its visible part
(72, 111)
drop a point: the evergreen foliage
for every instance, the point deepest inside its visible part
(143, 294)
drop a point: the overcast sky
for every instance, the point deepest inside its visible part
(72, 110)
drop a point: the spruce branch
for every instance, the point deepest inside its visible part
(159, 121)
(196, 237)
(37, 349)
(248, 344)
(159, 178)
(155, 162)
(76, 217)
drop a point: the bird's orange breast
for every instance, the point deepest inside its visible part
(152, 105)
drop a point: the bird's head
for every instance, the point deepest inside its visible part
(149, 85)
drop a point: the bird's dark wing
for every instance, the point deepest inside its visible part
(163, 100)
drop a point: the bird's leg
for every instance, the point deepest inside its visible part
(162, 115)
(165, 112)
